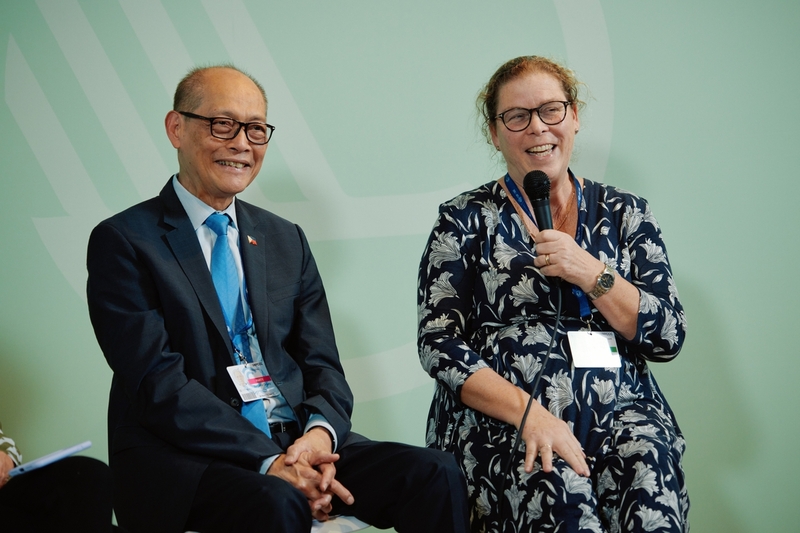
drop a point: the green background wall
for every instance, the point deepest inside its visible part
(692, 105)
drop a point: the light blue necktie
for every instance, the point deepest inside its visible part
(226, 281)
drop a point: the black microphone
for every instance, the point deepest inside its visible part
(537, 187)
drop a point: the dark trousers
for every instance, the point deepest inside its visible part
(413, 489)
(70, 496)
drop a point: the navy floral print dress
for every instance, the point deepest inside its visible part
(482, 303)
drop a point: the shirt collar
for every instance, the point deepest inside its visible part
(197, 209)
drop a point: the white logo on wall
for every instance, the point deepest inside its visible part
(326, 214)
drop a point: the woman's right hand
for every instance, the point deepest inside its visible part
(545, 435)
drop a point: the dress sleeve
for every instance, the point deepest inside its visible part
(445, 297)
(7, 445)
(661, 326)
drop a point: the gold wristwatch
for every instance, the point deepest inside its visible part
(604, 283)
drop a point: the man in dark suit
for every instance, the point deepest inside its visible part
(182, 453)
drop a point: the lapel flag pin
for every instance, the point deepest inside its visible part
(252, 241)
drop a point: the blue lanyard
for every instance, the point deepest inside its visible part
(240, 338)
(579, 195)
(583, 300)
(515, 192)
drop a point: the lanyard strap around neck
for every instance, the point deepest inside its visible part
(518, 202)
(511, 188)
(583, 300)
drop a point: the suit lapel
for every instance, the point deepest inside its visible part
(184, 244)
(252, 244)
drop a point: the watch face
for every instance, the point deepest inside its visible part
(604, 283)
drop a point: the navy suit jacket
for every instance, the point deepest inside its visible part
(173, 407)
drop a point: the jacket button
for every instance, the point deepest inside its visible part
(235, 402)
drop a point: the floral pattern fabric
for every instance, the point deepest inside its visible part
(483, 304)
(7, 445)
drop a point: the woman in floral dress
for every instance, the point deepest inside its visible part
(600, 449)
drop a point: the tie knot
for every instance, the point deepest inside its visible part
(218, 222)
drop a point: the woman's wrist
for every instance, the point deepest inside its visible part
(592, 273)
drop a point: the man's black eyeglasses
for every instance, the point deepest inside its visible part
(227, 128)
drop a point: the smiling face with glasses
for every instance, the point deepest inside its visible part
(536, 126)
(220, 147)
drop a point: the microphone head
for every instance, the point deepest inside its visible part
(536, 185)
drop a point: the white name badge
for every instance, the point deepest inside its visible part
(253, 381)
(593, 349)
